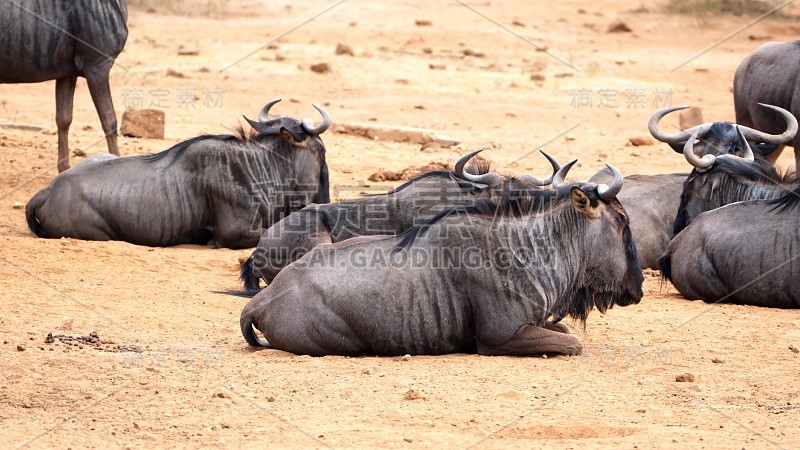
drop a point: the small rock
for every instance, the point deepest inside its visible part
(537, 77)
(794, 349)
(433, 66)
(225, 425)
(641, 410)
(423, 23)
(20, 348)
(716, 360)
(78, 152)
(684, 378)
(569, 137)
(49, 339)
(143, 123)
(175, 74)
(320, 67)
(517, 23)
(619, 27)
(242, 259)
(690, 117)
(564, 75)
(270, 399)
(367, 371)
(221, 394)
(412, 394)
(471, 52)
(18, 205)
(406, 358)
(638, 141)
(343, 49)
(183, 51)
(427, 50)
(544, 356)
(66, 324)
(408, 440)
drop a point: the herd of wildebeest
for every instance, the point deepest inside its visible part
(467, 260)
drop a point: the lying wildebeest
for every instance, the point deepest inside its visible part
(745, 253)
(720, 180)
(62, 40)
(771, 74)
(484, 280)
(223, 188)
(652, 201)
(383, 214)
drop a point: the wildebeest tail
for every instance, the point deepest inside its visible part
(249, 332)
(247, 276)
(30, 214)
(665, 265)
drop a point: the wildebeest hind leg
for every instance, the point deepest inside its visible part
(534, 340)
(97, 80)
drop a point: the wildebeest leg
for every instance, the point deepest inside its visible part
(97, 80)
(557, 326)
(533, 340)
(65, 92)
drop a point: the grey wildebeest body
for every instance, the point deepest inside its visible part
(771, 74)
(62, 40)
(717, 181)
(484, 281)
(223, 188)
(383, 214)
(746, 253)
(651, 202)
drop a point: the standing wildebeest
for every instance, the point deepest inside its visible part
(720, 180)
(62, 40)
(383, 214)
(485, 280)
(223, 188)
(771, 74)
(745, 253)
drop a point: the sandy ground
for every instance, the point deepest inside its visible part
(195, 382)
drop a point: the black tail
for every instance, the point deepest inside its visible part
(247, 276)
(246, 293)
(665, 266)
(249, 333)
(30, 214)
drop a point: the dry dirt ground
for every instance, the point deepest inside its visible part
(195, 383)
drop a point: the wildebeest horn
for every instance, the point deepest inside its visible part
(263, 114)
(652, 125)
(608, 193)
(558, 178)
(543, 182)
(760, 136)
(487, 178)
(688, 152)
(308, 126)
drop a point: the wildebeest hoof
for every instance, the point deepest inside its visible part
(559, 327)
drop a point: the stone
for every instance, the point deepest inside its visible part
(320, 67)
(619, 27)
(638, 141)
(343, 49)
(143, 123)
(690, 117)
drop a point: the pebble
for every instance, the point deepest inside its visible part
(716, 360)
(343, 49)
(20, 348)
(49, 339)
(537, 77)
(321, 67)
(433, 66)
(270, 399)
(406, 358)
(684, 378)
(18, 205)
(367, 371)
(619, 27)
(412, 394)
(221, 395)
(638, 141)
(423, 23)
(794, 349)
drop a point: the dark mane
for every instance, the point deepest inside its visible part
(786, 202)
(509, 203)
(240, 135)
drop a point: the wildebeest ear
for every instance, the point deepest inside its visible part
(764, 150)
(582, 202)
(678, 147)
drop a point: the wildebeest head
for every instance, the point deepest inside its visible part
(310, 166)
(613, 274)
(721, 138)
(720, 180)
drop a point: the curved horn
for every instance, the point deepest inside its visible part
(487, 178)
(558, 178)
(760, 136)
(703, 163)
(608, 193)
(262, 115)
(308, 126)
(652, 125)
(543, 182)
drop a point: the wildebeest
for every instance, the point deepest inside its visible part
(221, 188)
(721, 138)
(771, 74)
(720, 180)
(62, 40)
(384, 214)
(485, 280)
(746, 253)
